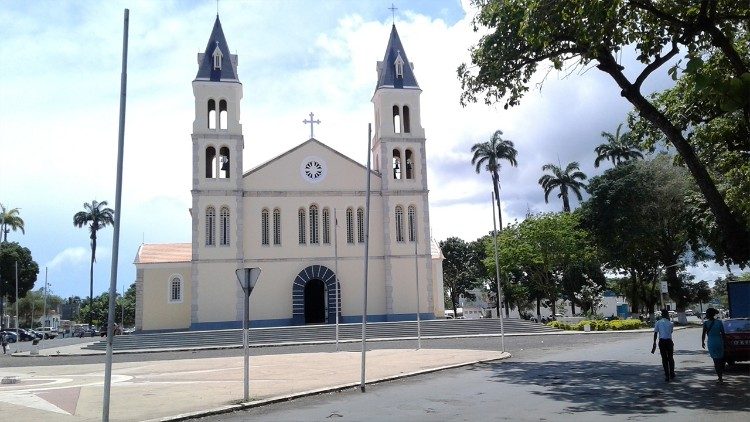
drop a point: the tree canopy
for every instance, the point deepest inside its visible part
(524, 34)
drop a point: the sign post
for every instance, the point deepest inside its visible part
(664, 290)
(247, 277)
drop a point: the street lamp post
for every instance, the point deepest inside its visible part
(247, 277)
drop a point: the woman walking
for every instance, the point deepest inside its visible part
(714, 329)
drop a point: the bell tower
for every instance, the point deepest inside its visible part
(217, 172)
(398, 151)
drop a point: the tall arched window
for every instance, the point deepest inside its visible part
(407, 124)
(224, 226)
(412, 223)
(360, 225)
(224, 161)
(175, 289)
(211, 114)
(399, 224)
(326, 226)
(396, 164)
(223, 114)
(314, 230)
(396, 120)
(264, 228)
(277, 226)
(409, 161)
(210, 162)
(349, 225)
(302, 226)
(210, 226)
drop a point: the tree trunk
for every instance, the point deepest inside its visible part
(91, 280)
(507, 308)
(566, 200)
(538, 309)
(734, 237)
(572, 307)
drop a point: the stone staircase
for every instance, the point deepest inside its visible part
(324, 333)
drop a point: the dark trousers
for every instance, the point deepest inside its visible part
(666, 350)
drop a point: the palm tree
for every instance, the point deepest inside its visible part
(619, 148)
(97, 217)
(567, 179)
(489, 154)
(9, 220)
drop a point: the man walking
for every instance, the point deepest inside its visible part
(663, 331)
(4, 341)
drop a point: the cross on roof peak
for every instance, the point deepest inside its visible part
(393, 12)
(312, 123)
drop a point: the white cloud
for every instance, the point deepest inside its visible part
(69, 257)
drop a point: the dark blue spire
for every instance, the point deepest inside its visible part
(387, 76)
(206, 70)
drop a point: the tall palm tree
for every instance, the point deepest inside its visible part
(489, 154)
(9, 220)
(568, 179)
(619, 148)
(97, 217)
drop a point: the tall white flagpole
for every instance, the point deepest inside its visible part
(367, 257)
(336, 270)
(44, 318)
(18, 336)
(416, 272)
(497, 274)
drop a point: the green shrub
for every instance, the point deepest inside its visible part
(559, 324)
(626, 324)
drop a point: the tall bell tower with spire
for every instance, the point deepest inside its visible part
(398, 152)
(217, 209)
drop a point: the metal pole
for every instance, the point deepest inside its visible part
(18, 336)
(44, 318)
(246, 338)
(416, 272)
(122, 307)
(336, 270)
(118, 213)
(497, 274)
(367, 258)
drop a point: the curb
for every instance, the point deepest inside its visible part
(336, 388)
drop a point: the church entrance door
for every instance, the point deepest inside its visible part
(315, 304)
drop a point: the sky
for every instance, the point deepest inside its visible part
(60, 84)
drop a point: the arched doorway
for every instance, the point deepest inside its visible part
(314, 296)
(315, 303)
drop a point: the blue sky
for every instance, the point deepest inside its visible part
(60, 76)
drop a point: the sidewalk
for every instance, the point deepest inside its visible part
(171, 390)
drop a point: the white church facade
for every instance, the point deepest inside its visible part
(281, 216)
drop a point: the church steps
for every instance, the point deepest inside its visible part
(320, 333)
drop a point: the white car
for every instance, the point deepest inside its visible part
(48, 332)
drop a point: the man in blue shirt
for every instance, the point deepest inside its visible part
(663, 331)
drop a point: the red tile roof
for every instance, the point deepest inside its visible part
(164, 252)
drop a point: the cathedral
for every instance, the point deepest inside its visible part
(300, 217)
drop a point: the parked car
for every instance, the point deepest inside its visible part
(10, 336)
(25, 335)
(84, 331)
(48, 332)
(103, 330)
(35, 333)
(736, 340)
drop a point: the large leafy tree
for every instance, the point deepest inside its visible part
(95, 216)
(619, 148)
(522, 34)
(10, 254)
(489, 155)
(10, 220)
(99, 308)
(462, 269)
(568, 180)
(32, 306)
(641, 217)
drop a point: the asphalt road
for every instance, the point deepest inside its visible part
(579, 377)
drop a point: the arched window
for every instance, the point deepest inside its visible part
(264, 228)
(217, 57)
(175, 289)
(409, 158)
(399, 224)
(314, 238)
(397, 164)
(302, 226)
(224, 226)
(349, 225)
(326, 226)
(407, 124)
(210, 162)
(396, 120)
(360, 225)
(223, 114)
(277, 226)
(211, 114)
(210, 226)
(412, 223)
(224, 160)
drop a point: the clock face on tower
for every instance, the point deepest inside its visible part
(313, 169)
